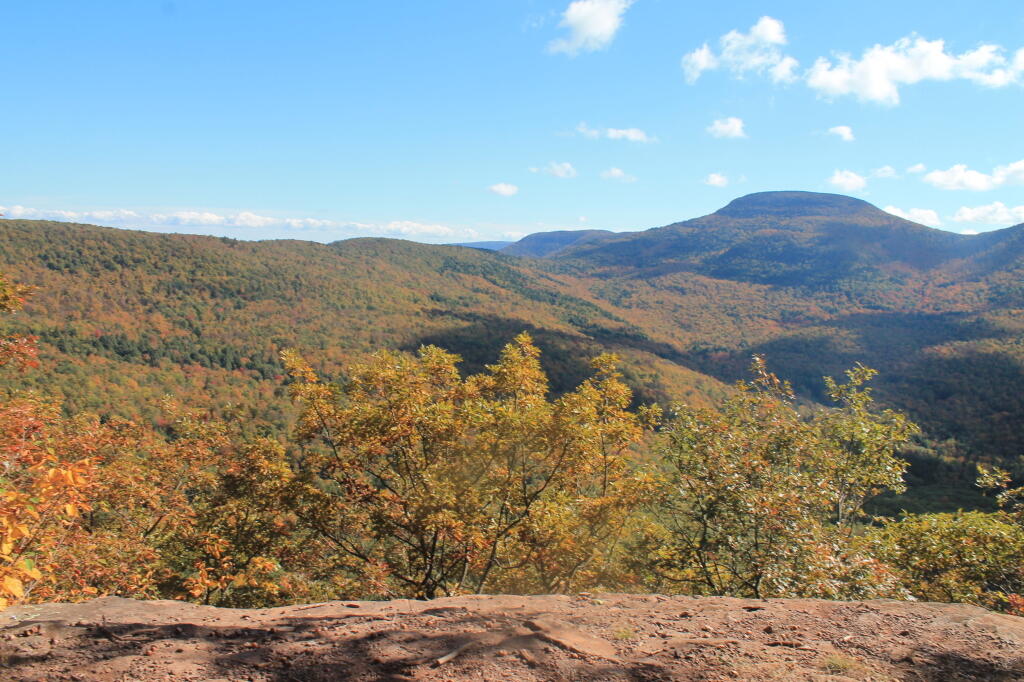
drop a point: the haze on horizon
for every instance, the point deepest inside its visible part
(477, 121)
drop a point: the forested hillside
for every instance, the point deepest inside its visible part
(816, 282)
(126, 317)
(813, 282)
(370, 472)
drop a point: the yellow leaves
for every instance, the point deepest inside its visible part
(445, 479)
(30, 571)
(12, 586)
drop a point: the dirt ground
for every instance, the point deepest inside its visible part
(496, 638)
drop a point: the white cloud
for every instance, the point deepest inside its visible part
(592, 25)
(560, 170)
(413, 228)
(727, 127)
(716, 180)
(876, 76)
(959, 177)
(116, 215)
(308, 223)
(758, 51)
(925, 216)
(628, 134)
(845, 133)
(848, 181)
(617, 174)
(884, 172)
(504, 189)
(191, 218)
(882, 69)
(917, 168)
(996, 213)
(697, 62)
(514, 235)
(236, 224)
(247, 219)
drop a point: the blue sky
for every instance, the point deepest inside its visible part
(456, 121)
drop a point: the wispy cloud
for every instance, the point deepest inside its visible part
(559, 169)
(628, 134)
(238, 223)
(504, 189)
(844, 133)
(617, 174)
(727, 127)
(592, 25)
(716, 180)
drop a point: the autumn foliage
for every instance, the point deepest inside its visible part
(425, 483)
(410, 478)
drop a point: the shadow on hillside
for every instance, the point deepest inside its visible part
(565, 357)
(973, 396)
(944, 371)
(889, 342)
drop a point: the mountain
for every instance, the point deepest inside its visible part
(548, 244)
(818, 282)
(788, 239)
(486, 246)
(815, 282)
(125, 317)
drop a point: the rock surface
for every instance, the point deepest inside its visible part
(585, 637)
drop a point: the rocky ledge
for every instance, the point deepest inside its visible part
(495, 638)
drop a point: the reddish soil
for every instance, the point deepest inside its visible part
(496, 638)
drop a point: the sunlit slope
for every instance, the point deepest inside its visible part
(129, 313)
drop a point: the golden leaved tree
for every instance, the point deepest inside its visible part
(92, 506)
(42, 488)
(424, 483)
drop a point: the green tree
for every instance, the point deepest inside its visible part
(758, 500)
(972, 557)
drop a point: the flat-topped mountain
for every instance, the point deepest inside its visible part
(792, 204)
(789, 238)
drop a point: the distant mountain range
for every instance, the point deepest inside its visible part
(816, 282)
(486, 246)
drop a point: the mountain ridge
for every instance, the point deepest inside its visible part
(684, 305)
